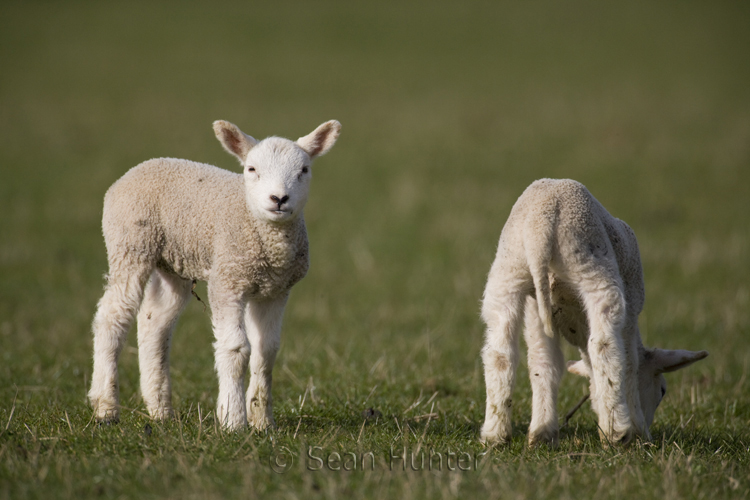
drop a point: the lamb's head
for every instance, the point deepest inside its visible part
(653, 364)
(277, 171)
(652, 386)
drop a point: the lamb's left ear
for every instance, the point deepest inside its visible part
(668, 361)
(234, 140)
(579, 368)
(321, 140)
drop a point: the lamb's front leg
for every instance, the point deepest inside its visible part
(263, 322)
(631, 336)
(606, 349)
(232, 354)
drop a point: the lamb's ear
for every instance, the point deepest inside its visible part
(668, 361)
(579, 368)
(234, 140)
(321, 140)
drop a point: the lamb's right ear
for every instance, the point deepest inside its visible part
(234, 140)
(321, 140)
(579, 368)
(667, 361)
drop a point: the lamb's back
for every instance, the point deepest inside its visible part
(174, 211)
(582, 229)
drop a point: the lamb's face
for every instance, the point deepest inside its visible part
(277, 171)
(652, 386)
(277, 179)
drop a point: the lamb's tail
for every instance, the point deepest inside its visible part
(539, 255)
(541, 284)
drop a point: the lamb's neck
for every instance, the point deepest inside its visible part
(282, 242)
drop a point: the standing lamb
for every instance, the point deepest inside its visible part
(572, 270)
(168, 223)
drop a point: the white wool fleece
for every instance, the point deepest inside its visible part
(168, 223)
(566, 268)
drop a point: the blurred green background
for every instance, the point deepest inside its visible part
(449, 110)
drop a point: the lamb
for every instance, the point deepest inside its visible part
(168, 223)
(570, 270)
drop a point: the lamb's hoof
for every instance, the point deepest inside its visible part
(106, 417)
(106, 422)
(264, 424)
(235, 426)
(494, 439)
(622, 438)
(496, 431)
(234, 422)
(548, 438)
(162, 414)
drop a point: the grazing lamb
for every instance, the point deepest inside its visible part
(168, 223)
(570, 269)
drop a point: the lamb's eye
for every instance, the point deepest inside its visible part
(663, 392)
(251, 169)
(305, 170)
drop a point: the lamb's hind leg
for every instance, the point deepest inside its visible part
(546, 366)
(164, 299)
(502, 310)
(114, 314)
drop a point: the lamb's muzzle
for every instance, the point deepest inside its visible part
(278, 201)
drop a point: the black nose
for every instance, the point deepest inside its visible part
(279, 201)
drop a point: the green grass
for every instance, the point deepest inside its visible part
(449, 111)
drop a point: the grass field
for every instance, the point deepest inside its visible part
(449, 111)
